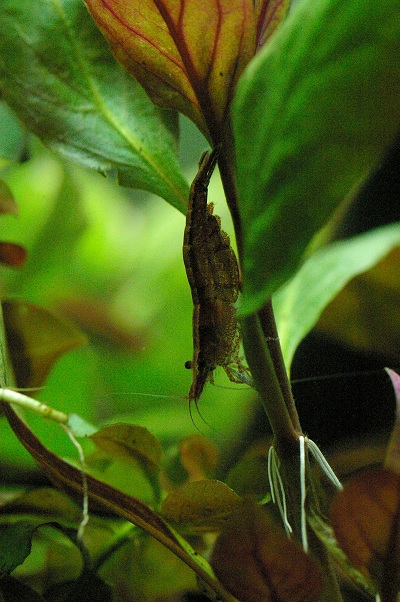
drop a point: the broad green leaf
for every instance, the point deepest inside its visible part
(58, 74)
(187, 55)
(300, 302)
(80, 427)
(313, 114)
(364, 315)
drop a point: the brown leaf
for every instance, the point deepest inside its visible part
(12, 255)
(126, 441)
(392, 457)
(365, 518)
(7, 201)
(199, 457)
(188, 55)
(36, 338)
(201, 506)
(256, 561)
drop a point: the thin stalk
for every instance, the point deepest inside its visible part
(268, 325)
(263, 372)
(264, 357)
(227, 170)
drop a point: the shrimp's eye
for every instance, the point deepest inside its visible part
(188, 365)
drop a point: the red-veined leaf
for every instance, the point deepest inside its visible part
(188, 55)
(269, 14)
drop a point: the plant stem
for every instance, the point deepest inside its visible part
(266, 382)
(264, 357)
(226, 164)
(268, 325)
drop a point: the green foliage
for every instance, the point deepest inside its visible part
(58, 74)
(299, 303)
(313, 114)
(15, 544)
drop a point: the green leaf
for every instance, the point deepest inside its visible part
(300, 302)
(313, 114)
(201, 505)
(58, 74)
(44, 502)
(129, 441)
(12, 135)
(15, 544)
(80, 427)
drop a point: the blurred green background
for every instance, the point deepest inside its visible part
(110, 260)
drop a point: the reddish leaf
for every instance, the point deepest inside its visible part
(256, 561)
(12, 254)
(188, 55)
(36, 338)
(199, 457)
(203, 505)
(270, 14)
(365, 518)
(392, 459)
